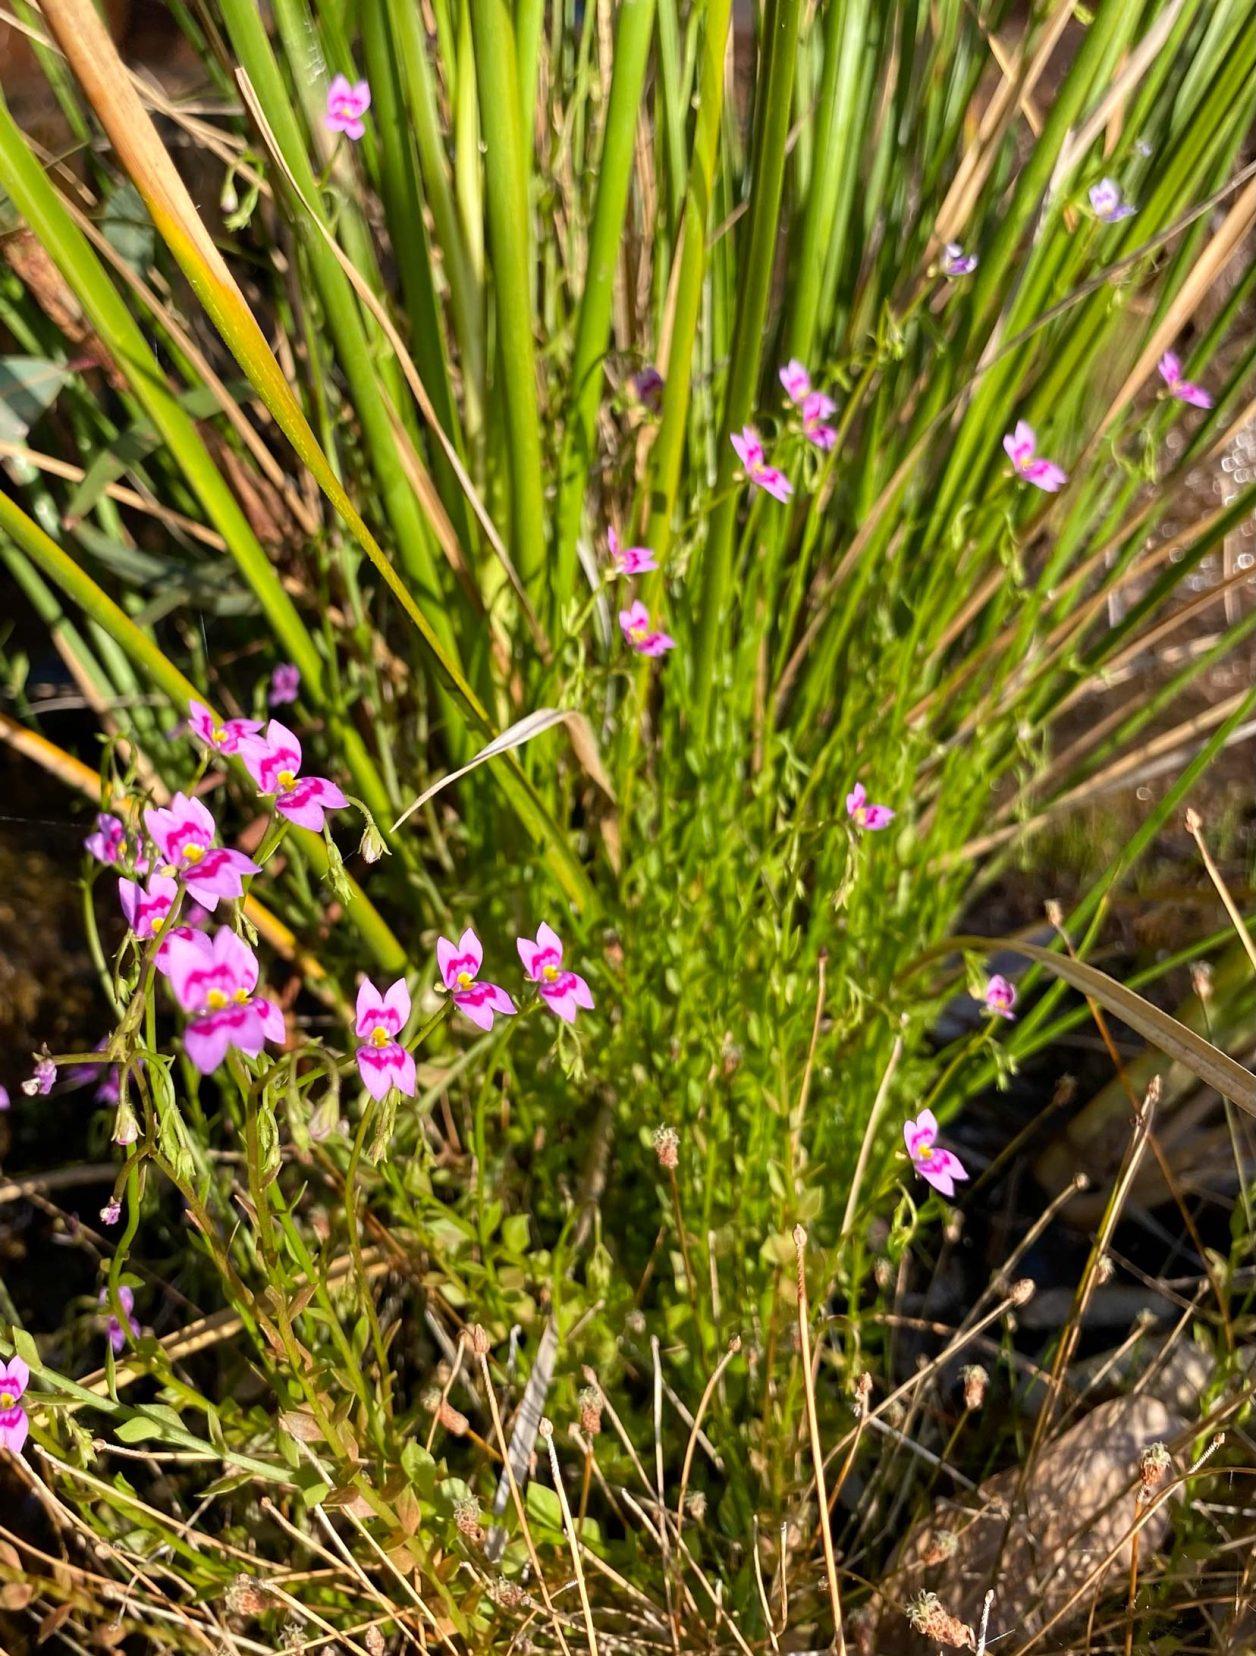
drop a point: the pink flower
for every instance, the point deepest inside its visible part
(111, 1212)
(561, 990)
(41, 1079)
(225, 735)
(1043, 474)
(184, 835)
(114, 1329)
(459, 968)
(955, 262)
(1000, 997)
(647, 386)
(1184, 390)
(274, 763)
(146, 909)
(1106, 202)
(5, 1100)
(285, 684)
(796, 380)
(107, 842)
(14, 1378)
(816, 408)
(383, 1062)
(346, 105)
(939, 1167)
(214, 981)
(646, 640)
(768, 478)
(629, 560)
(864, 815)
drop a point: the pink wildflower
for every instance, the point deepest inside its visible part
(114, 1328)
(939, 1167)
(111, 1212)
(214, 980)
(41, 1079)
(646, 640)
(1043, 474)
(955, 262)
(459, 968)
(629, 560)
(184, 834)
(796, 380)
(864, 815)
(146, 909)
(768, 478)
(561, 990)
(383, 1062)
(14, 1378)
(224, 735)
(285, 684)
(1106, 202)
(274, 763)
(346, 105)
(5, 1100)
(108, 840)
(816, 408)
(647, 386)
(1000, 997)
(1184, 390)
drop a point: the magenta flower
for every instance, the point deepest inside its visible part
(1000, 997)
(111, 1212)
(184, 834)
(1107, 203)
(796, 380)
(646, 640)
(346, 105)
(114, 1328)
(629, 560)
(274, 763)
(5, 1100)
(383, 1062)
(864, 815)
(224, 735)
(1043, 474)
(955, 262)
(214, 980)
(40, 1082)
(285, 684)
(647, 387)
(146, 908)
(816, 408)
(108, 840)
(1184, 390)
(561, 990)
(459, 968)
(765, 477)
(14, 1378)
(939, 1167)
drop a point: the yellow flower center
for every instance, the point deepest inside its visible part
(219, 734)
(464, 980)
(549, 973)
(241, 997)
(157, 922)
(193, 853)
(637, 633)
(215, 1000)
(7, 1399)
(380, 1036)
(287, 779)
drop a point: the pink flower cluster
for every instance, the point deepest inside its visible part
(214, 981)
(815, 406)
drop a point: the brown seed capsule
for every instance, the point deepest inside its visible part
(509, 1594)
(590, 1401)
(929, 1619)
(477, 1338)
(1153, 1463)
(975, 1381)
(449, 1417)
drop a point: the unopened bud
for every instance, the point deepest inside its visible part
(371, 847)
(862, 1389)
(1194, 822)
(975, 1381)
(667, 1146)
(126, 1127)
(1023, 1291)
(1105, 1270)
(1055, 913)
(477, 1338)
(1201, 979)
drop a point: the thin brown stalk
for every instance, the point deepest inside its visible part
(1195, 828)
(734, 1346)
(817, 1450)
(569, 1529)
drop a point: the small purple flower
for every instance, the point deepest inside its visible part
(768, 478)
(864, 815)
(939, 1167)
(184, 834)
(1107, 203)
(647, 386)
(224, 735)
(14, 1379)
(816, 409)
(644, 639)
(114, 1328)
(274, 763)
(955, 262)
(111, 1213)
(1019, 447)
(629, 560)
(41, 1079)
(562, 991)
(108, 840)
(1000, 997)
(382, 1061)
(346, 105)
(4, 1098)
(285, 685)
(459, 969)
(1183, 389)
(796, 380)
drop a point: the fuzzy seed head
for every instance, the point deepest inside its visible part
(467, 1518)
(1153, 1463)
(373, 1639)
(928, 1617)
(667, 1146)
(246, 1597)
(975, 1381)
(590, 1401)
